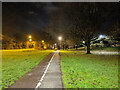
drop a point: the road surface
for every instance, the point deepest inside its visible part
(47, 74)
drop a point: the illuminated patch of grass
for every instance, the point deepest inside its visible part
(80, 70)
(115, 49)
(17, 62)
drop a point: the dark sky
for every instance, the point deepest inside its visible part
(26, 18)
(22, 19)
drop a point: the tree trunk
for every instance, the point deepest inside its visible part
(76, 48)
(88, 47)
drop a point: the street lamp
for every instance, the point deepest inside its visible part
(60, 38)
(42, 41)
(29, 36)
(54, 45)
(101, 36)
(30, 40)
(83, 41)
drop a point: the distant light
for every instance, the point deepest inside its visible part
(42, 41)
(60, 38)
(101, 36)
(75, 45)
(29, 36)
(45, 47)
(55, 44)
(30, 40)
(83, 41)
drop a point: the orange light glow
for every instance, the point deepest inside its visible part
(42, 41)
(30, 36)
(30, 40)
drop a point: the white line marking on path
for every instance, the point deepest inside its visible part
(39, 83)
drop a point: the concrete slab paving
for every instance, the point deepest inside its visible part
(53, 78)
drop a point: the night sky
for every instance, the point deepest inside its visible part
(34, 18)
(26, 18)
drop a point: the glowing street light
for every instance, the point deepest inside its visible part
(42, 41)
(55, 44)
(29, 36)
(101, 36)
(30, 40)
(60, 38)
(83, 41)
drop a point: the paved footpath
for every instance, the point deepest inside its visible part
(52, 75)
(46, 74)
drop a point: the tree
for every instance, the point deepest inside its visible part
(86, 20)
(83, 18)
(115, 32)
(7, 42)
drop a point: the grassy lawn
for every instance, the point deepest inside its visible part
(15, 63)
(80, 70)
(107, 49)
(112, 49)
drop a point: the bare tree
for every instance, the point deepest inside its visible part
(86, 20)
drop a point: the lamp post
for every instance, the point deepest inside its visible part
(55, 45)
(30, 38)
(29, 41)
(60, 38)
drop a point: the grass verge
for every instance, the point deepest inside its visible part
(80, 70)
(15, 63)
(114, 49)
